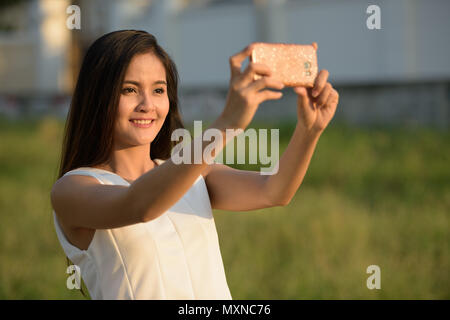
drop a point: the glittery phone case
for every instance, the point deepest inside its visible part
(293, 64)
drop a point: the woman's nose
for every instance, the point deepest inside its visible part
(146, 103)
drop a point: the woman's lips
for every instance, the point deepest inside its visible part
(142, 125)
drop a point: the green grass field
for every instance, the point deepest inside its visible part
(371, 196)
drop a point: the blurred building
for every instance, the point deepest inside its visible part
(397, 74)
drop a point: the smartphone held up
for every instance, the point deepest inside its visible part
(293, 64)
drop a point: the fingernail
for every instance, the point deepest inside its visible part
(314, 93)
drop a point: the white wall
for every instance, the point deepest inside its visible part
(411, 46)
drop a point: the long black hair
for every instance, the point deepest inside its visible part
(89, 129)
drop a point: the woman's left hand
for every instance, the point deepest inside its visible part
(316, 106)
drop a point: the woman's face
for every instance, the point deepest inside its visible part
(143, 96)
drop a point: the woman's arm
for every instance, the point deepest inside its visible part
(240, 190)
(82, 202)
(315, 108)
(293, 165)
(236, 190)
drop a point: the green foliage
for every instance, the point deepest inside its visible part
(371, 196)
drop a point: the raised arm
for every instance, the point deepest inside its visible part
(82, 202)
(315, 108)
(241, 190)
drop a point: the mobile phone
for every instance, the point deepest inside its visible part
(293, 64)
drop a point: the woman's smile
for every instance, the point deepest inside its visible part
(142, 123)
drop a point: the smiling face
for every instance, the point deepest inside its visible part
(143, 96)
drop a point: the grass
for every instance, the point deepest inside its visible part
(371, 196)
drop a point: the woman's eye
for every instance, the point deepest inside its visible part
(129, 90)
(160, 90)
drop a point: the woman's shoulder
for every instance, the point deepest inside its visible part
(79, 176)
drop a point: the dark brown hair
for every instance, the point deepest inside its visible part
(89, 129)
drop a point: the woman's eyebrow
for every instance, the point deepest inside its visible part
(136, 83)
(160, 82)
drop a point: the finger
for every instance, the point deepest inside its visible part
(314, 44)
(265, 82)
(320, 82)
(323, 96)
(303, 96)
(237, 59)
(264, 95)
(332, 101)
(253, 69)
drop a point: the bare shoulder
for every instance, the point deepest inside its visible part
(70, 183)
(66, 190)
(82, 201)
(64, 195)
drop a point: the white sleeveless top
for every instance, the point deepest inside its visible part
(175, 256)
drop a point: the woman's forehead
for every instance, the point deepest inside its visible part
(146, 66)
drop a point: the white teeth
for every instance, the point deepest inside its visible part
(142, 121)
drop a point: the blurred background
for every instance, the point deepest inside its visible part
(377, 191)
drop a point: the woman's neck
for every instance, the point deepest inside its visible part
(129, 162)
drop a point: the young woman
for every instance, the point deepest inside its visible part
(138, 225)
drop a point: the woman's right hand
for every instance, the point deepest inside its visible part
(245, 94)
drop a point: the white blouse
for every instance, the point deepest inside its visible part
(175, 256)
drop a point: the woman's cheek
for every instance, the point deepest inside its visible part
(167, 106)
(126, 102)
